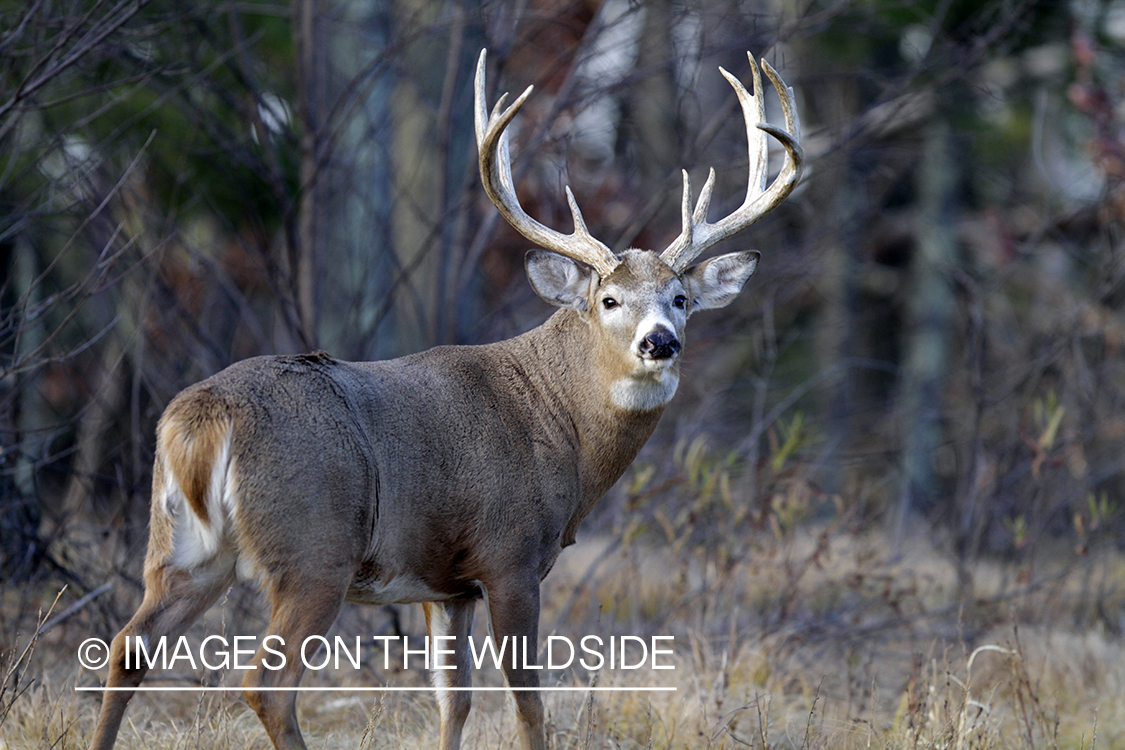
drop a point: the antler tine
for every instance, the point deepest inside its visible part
(681, 242)
(755, 139)
(496, 175)
(704, 203)
(697, 234)
(788, 108)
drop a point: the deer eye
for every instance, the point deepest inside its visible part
(679, 301)
(609, 303)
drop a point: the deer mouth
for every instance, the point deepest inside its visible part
(654, 364)
(654, 367)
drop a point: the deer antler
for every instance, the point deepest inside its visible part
(496, 174)
(698, 234)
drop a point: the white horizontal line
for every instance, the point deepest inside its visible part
(202, 689)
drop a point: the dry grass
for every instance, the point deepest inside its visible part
(816, 641)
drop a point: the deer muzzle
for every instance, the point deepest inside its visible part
(659, 343)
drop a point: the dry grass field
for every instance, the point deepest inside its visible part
(816, 638)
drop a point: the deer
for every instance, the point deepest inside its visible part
(447, 477)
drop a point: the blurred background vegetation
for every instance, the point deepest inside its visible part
(933, 344)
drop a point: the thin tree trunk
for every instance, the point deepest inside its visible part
(654, 97)
(929, 317)
(312, 85)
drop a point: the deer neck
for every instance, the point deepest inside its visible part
(581, 393)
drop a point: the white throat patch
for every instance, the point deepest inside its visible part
(644, 393)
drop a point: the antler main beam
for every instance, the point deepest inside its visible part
(496, 175)
(698, 234)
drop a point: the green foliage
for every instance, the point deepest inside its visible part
(1100, 508)
(1018, 528)
(794, 435)
(1048, 414)
(194, 82)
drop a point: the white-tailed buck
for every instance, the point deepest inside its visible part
(445, 477)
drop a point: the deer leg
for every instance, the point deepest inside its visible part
(173, 600)
(451, 670)
(514, 613)
(303, 606)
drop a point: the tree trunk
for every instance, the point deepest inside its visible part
(929, 317)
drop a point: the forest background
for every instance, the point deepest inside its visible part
(898, 454)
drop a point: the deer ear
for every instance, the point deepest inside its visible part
(716, 282)
(558, 279)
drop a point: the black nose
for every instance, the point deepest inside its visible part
(660, 344)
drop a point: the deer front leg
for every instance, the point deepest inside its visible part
(451, 670)
(514, 610)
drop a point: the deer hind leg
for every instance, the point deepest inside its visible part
(304, 604)
(173, 600)
(451, 671)
(191, 559)
(513, 609)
